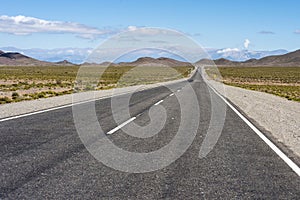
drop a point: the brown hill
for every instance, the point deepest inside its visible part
(221, 61)
(289, 59)
(64, 62)
(13, 58)
(148, 61)
(18, 59)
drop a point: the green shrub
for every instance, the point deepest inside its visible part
(41, 95)
(15, 95)
(58, 82)
(4, 100)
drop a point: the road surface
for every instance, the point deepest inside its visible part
(42, 156)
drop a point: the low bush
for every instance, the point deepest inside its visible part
(4, 100)
(15, 95)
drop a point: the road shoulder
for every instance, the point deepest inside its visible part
(277, 116)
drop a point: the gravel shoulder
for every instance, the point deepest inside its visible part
(277, 115)
(19, 108)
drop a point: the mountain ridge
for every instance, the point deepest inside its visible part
(18, 59)
(80, 55)
(161, 61)
(288, 59)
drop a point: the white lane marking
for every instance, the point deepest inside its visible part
(59, 107)
(178, 90)
(158, 102)
(171, 94)
(284, 157)
(68, 105)
(120, 126)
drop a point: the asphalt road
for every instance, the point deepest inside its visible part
(42, 155)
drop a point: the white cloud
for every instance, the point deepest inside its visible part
(132, 28)
(246, 43)
(26, 25)
(228, 50)
(23, 25)
(297, 31)
(266, 32)
(148, 31)
(71, 51)
(197, 34)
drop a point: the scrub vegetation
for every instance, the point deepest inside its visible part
(281, 81)
(18, 83)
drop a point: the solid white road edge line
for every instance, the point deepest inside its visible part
(158, 102)
(59, 107)
(120, 126)
(284, 157)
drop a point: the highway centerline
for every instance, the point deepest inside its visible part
(158, 102)
(131, 119)
(120, 126)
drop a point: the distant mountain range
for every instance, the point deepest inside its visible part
(18, 59)
(148, 61)
(79, 55)
(242, 55)
(288, 59)
(73, 55)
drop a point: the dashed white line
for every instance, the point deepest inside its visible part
(171, 94)
(128, 121)
(120, 126)
(178, 90)
(158, 102)
(284, 157)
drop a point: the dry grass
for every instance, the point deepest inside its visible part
(33, 82)
(281, 81)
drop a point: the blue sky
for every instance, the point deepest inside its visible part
(266, 24)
